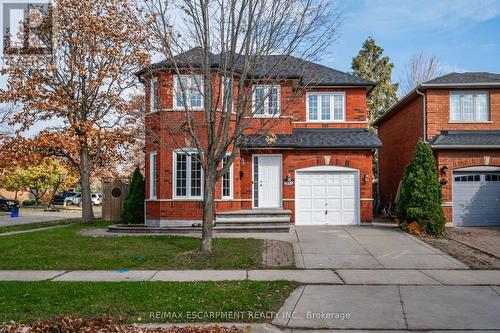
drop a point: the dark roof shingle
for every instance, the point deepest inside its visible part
(316, 138)
(273, 65)
(465, 78)
(466, 138)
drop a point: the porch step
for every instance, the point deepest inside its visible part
(252, 228)
(255, 213)
(257, 220)
(197, 230)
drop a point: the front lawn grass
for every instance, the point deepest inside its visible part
(135, 301)
(37, 225)
(64, 248)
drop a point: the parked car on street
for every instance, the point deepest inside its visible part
(74, 200)
(61, 197)
(7, 205)
(96, 198)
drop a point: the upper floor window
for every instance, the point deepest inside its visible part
(188, 175)
(266, 101)
(153, 97)
(469, 106)
(326, 107)
(192, 86)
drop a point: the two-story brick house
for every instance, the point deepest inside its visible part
(318, 168)
(458, 114)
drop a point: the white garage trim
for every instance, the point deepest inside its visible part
(479, 168)
(331, 169)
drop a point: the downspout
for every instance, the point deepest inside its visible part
(424, 138)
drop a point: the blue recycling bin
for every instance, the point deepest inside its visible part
(14, 212)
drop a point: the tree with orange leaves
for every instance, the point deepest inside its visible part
(80, 85)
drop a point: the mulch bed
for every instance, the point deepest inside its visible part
(106, 325)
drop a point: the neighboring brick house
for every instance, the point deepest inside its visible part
(319, 169)
(459, 115)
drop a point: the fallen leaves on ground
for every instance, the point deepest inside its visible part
(68, 324)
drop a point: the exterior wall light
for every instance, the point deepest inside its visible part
(443, 181)
(366, 178)
(288, 180)
(444, 170)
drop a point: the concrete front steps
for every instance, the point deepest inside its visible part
(240, 221)
(255, 220)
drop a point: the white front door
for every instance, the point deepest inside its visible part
(268, 181)
(326, 197)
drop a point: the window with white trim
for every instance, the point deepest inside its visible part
(227, 181)
(188, 182)
(326, 107)
(152, 175)
(469, 106)
(266, 101)
(193, 88)
(153, 96)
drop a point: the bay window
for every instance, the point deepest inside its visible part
(266, 101)
(152, 175)
(153, 96)
(188, 175)
(469, 106)
(227, 181)
(326, 107)
(192, 87)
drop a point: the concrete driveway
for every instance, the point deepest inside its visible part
(366, 247)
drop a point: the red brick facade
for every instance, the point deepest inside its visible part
(399, 136)
(400, 132)
(158, 139)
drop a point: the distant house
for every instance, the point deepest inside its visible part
(459, 115)
(318, 168)
(21, 195)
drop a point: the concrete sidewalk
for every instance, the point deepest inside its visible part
(391, 307)
(324, 276)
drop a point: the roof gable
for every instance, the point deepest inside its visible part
(451, 80)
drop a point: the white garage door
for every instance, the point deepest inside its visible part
(326, 197)
(476, 199)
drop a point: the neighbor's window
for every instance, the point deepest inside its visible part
(266, 101)
(153, 97)
(192, 86)
(152, 175)
(326, 107)
(227, 181)
(188, 175)
(469, 106)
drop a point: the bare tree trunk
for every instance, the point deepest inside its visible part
(208, 209)
(87, 212)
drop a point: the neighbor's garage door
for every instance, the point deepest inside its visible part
(326, 197)
(476, 199)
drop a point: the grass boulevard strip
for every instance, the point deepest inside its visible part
(239, 301)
